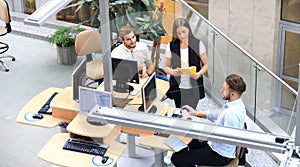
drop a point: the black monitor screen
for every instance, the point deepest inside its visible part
(124, 71)
(149, 92)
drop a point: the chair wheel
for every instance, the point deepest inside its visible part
(13, 59)
(6, 70)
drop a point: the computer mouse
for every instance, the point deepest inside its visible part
(104, 159)
(38, 116)
(183, 109)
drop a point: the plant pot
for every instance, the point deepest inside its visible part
(66, 55)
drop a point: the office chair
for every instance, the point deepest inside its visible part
(4, 29)
(238, 154)
(86, 43)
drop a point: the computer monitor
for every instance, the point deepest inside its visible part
(89, 98)
(124, 71)
(78, 79)
(149, 94)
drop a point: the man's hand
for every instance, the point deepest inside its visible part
(190, 110)
(144, 75)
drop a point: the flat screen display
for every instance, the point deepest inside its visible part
(124, 71)
(149, 92)
(89, 97)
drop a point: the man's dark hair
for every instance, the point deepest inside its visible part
(236, 83)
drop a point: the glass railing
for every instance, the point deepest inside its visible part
(269, 100)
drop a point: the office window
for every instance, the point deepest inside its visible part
(200, 6)
(83, 14)
(291, 56)
(290, 10)
(29, 6)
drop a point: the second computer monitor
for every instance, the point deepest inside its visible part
(149, 94)
(89, 97)
(124, 71)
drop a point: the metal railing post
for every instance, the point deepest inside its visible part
(106, 44)
(297, 135)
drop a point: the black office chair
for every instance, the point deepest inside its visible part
(4, 29)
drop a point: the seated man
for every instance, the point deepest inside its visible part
(233, 115)
(133, 50)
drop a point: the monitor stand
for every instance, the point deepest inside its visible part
(122, 87)
(151, 110)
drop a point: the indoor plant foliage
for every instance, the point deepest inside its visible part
(64, 39)
(65, 36)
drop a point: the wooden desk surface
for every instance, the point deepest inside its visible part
(53, 152)
(80, 126)
(63, 105)
(162, 88)
(158, 142)
(34, 105)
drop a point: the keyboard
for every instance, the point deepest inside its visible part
(46, 107)
(88, 147)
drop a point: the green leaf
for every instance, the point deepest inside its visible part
(146, 2)
(131, 19)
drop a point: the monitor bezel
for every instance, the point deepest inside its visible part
(135, 78)
(143, 92)
(78, 79)
(95, 91)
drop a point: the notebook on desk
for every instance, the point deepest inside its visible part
(175, 143)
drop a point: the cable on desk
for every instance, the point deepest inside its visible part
(123, 101)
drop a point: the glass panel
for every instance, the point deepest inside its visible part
(268, 101)
(29, 6)
(292, 84)
(200, 6)
(290, 10)
(291, 54)
(271, 96)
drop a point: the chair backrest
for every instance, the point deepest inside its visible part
(87, 42)
(4, 12)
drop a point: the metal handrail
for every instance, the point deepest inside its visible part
(240, 48)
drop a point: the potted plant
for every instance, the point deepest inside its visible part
(64, 39)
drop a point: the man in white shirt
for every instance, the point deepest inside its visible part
(233, 114)
(132, 50)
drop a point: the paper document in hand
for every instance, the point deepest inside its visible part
(188, 71)
(175, 143)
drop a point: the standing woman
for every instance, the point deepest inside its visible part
(182, 52)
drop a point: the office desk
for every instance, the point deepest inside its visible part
(158, 142)
(162, 88)
(80, 126)
(34, 105)
(63, 105)
(53, 152)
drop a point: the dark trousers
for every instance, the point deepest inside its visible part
(198, 153)
(188, 97)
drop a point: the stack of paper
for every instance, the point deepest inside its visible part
(187, 71)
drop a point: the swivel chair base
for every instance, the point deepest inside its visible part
(4, 64)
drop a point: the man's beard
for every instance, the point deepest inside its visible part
(131, 46)
(226, 97)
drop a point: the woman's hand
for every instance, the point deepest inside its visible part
(176, 73)
(196, 76)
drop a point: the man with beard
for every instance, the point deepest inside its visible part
(233, 115)
(130, 49)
